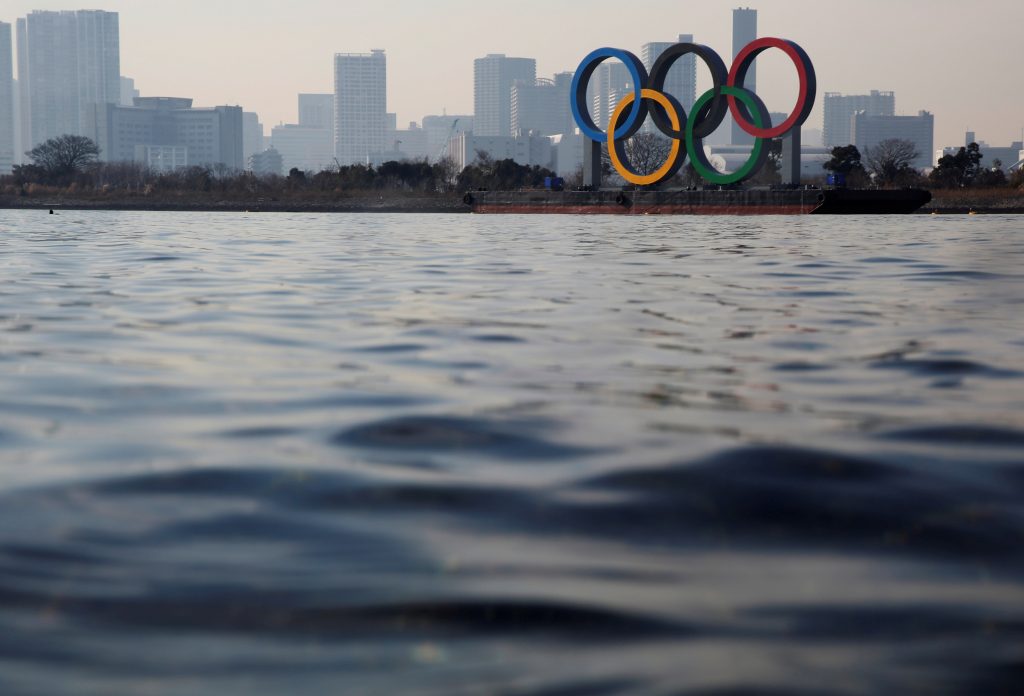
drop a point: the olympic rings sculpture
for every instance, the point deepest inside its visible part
(726, 96)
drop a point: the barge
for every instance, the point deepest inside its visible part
(709, 201)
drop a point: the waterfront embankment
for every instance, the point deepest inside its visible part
(965, 201)
(368, 202)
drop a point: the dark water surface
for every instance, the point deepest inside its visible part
(548, 456)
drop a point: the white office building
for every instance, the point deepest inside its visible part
(493, 77)
(67, 63)
(840, 108)
(308, 149)
(210, 136)
(527, 150)
(360, 106)
(869, 131)
(7, 136)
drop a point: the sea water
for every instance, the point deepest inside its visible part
(372, 454)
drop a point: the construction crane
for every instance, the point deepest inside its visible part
(447, 141)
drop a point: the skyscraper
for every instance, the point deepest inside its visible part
(744, 30)
(67, 63)
(681, 82)
(543, 107)
(6, 100)
(360, 105)
(317, 111)
(612, 81)
(493, 77)
(840, 108)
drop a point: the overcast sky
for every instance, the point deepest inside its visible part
(959, 60)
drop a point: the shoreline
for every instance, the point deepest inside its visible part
(953, 203)
(393, 205)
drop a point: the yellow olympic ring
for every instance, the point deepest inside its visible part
(673, 115)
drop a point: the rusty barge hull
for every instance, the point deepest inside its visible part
(700, 202)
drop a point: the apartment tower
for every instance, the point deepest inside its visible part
(360, 106)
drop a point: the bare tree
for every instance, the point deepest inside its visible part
(891, 162)
(62, 157)
(446, 171)
(646, 153)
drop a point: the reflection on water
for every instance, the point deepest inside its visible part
(528, 456)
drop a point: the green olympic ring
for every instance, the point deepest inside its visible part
(695, 145)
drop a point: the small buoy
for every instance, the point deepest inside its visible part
(51, 211)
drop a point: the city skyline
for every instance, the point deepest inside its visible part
(902, 50)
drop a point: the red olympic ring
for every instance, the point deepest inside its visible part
(805, 99)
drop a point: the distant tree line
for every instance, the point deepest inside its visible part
(891, 163)
(71, 162)
(506, 174)
(964, 170)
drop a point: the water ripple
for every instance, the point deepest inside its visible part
(249, 455)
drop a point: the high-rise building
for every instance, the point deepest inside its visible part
(67, 63)
(563, 89)
(543, 107)
(744, 30)
(317, 111)
(869, 131)
(493, 77)
(6, 99)
(610, 84)
(360, 105)
(681, 81)
(840, 108)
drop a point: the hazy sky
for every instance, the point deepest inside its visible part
(959, 60)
